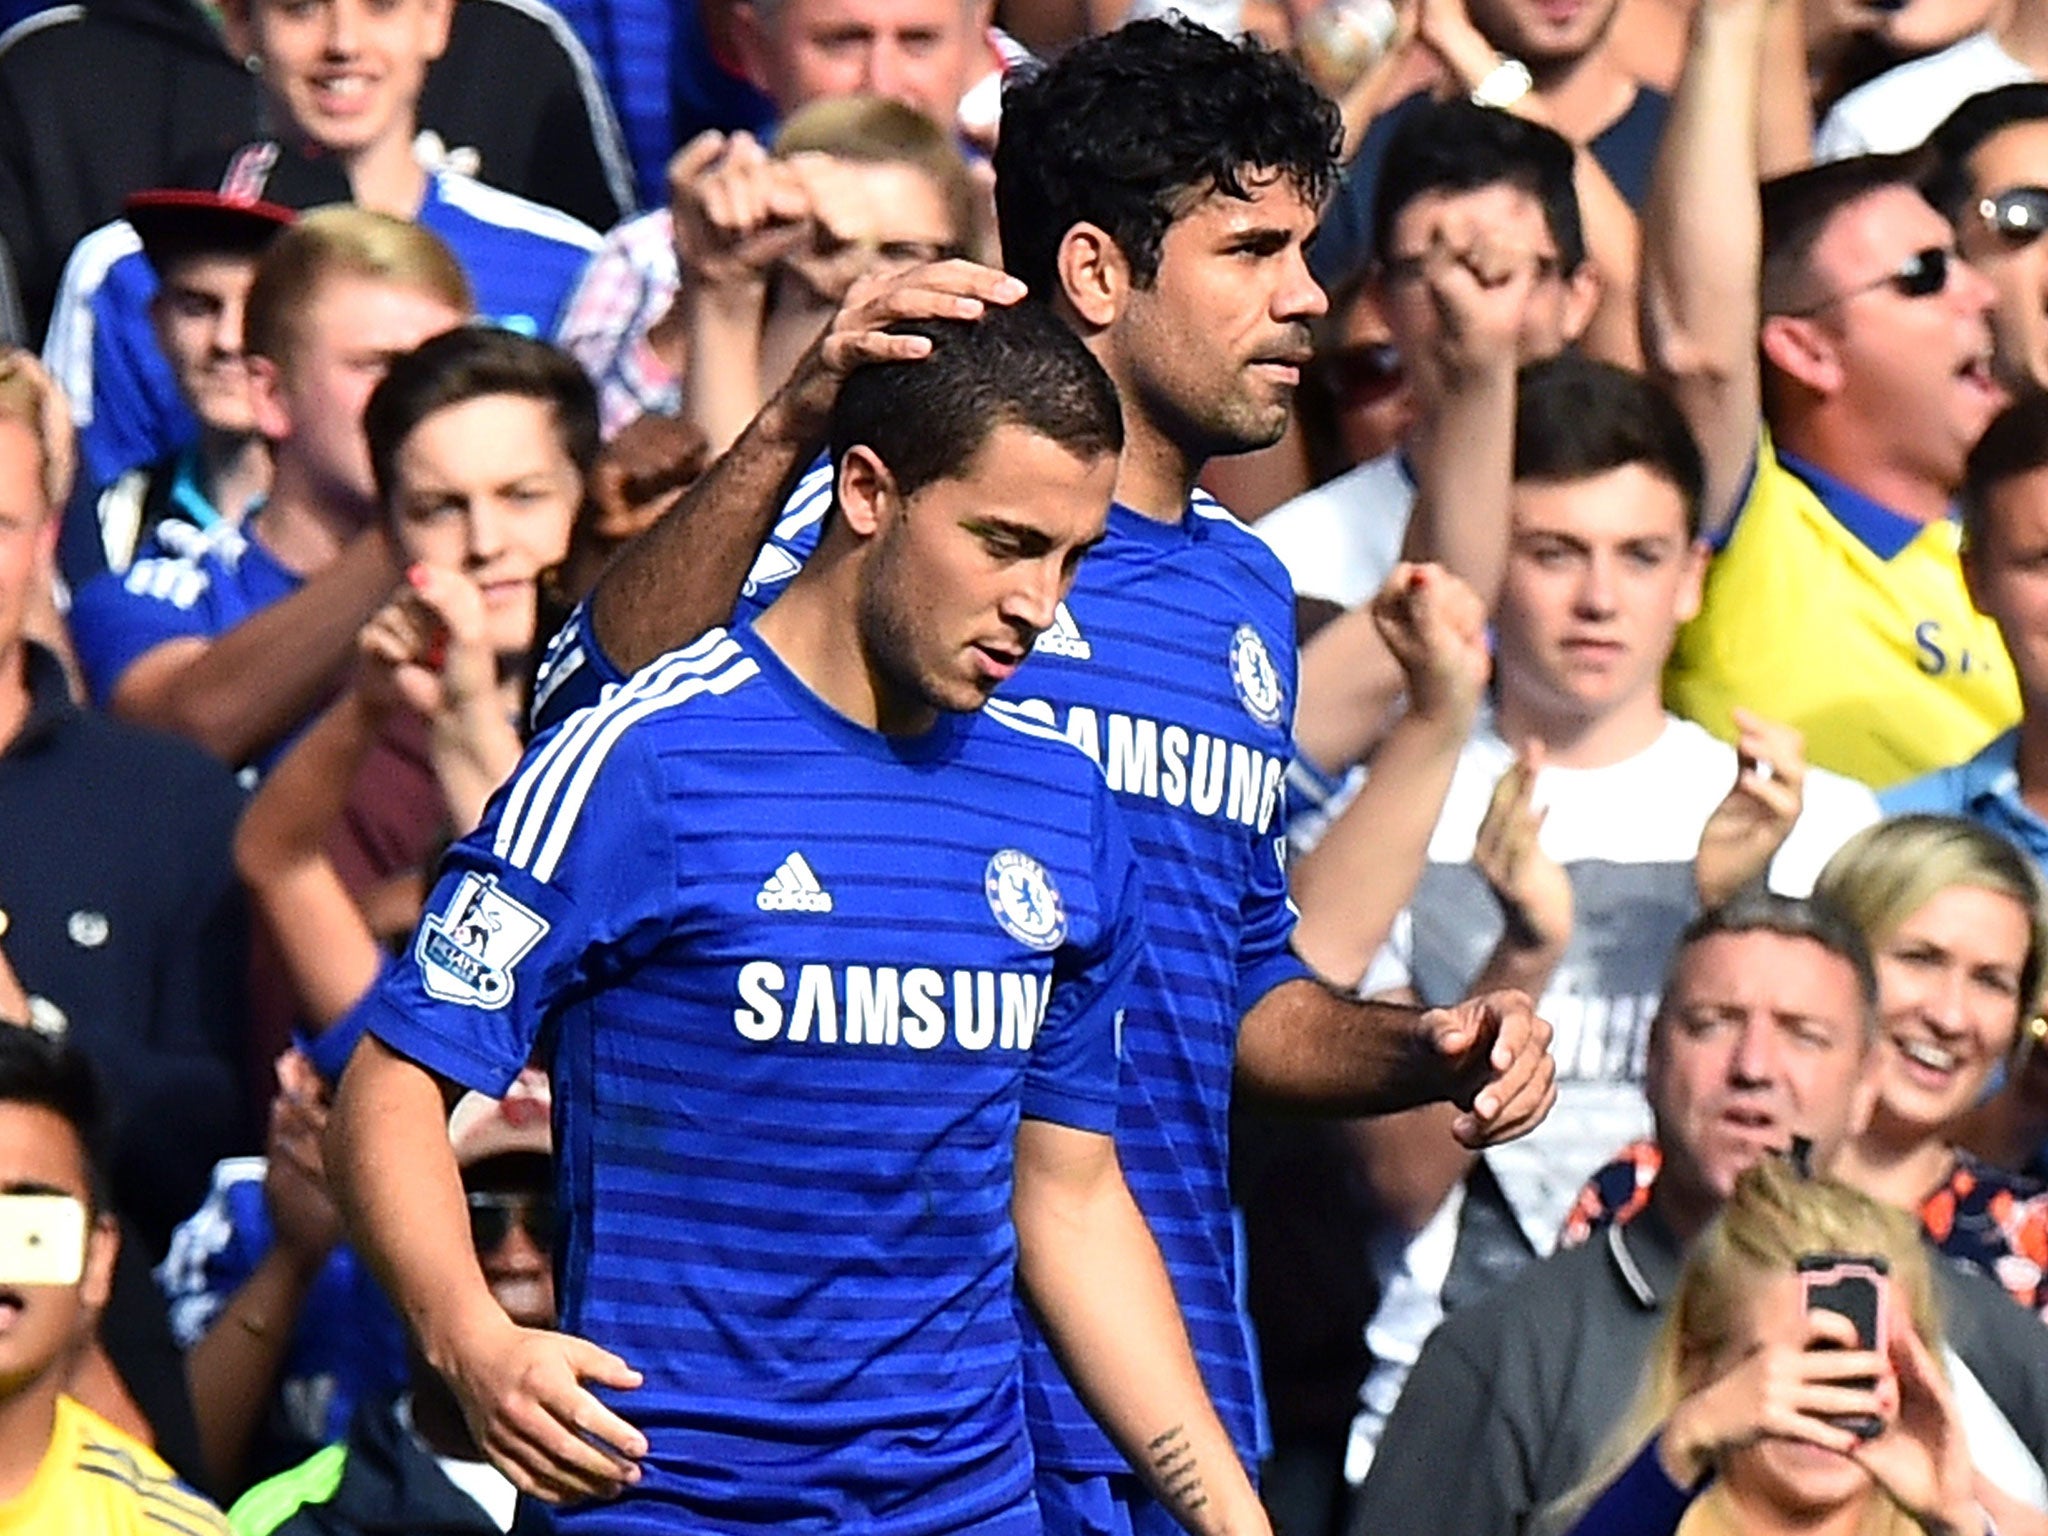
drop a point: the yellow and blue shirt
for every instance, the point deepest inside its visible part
(95, 1479)
(1833, 613)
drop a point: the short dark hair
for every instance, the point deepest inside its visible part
(1576, 418)
(470, 363)
(2015, 444)
(1946, 175)
(1799, 205)
(1020, 366)
(1458, 146)
(1757, 909)
(1125, 129)
(50, 1074)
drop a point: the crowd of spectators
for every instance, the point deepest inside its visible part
(1664, 511)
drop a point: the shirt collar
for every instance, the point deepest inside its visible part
(1646, 1256)
(187, 494)
(1876, 526)
(49, 697)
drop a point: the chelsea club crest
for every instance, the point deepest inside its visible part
(1025, 900)
(1257, 679)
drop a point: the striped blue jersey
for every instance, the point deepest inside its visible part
(1172, 664)
(796, 983)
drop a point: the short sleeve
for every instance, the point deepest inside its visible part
(574, 672)
(116, 619)
(215, 1249)
(1265, 946)
(568, 875)
(1072, 1076)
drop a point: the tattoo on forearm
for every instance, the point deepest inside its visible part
(1173, 1463)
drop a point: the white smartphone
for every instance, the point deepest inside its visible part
(42, 1240)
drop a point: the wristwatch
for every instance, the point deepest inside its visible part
(1505, 84)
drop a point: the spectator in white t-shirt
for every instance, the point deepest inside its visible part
(1899, 108)
(1583, 828)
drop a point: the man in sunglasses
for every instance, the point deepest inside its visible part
(1834, 313)
(413, 1465)
(1990, 176)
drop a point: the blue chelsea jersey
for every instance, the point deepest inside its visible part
(1172, 663)
(796, 983)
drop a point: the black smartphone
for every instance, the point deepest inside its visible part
(1852, 1286)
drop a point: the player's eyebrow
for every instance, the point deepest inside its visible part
(32, 1187)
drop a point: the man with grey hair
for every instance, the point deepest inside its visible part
(1764, 1035)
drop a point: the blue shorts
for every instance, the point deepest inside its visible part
(1101, 1504)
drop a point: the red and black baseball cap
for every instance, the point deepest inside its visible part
(235, 201)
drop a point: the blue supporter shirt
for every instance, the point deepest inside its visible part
(1172, 664)
(1985, 789)
(796, 983)
(522, 260)
(184, 582)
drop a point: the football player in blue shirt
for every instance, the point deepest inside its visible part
(818, 950)
(1156, 187)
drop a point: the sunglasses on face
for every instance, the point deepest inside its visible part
(492, 1214)
(2018, 215)
(1920, 276)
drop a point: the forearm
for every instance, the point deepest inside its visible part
(1350, 685)
(1353, 883)
(233, 1369)
(1520, 962)
(474, 750)
(1702, 245)
(1302, 1046)
(252, 685)
(723, 393)
(398, 1189)
(1464, 467)
(1614, 247)
(684, 574)
(1784, 105)
(1093, 1275)
(288, 820)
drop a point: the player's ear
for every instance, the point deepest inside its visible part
(1095, 276)
(866, 491)
(102, 1247)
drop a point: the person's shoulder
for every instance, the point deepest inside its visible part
(161, 775)
(1940, 791)
(642, 237)
(687, 689)
(1224, 533)
(509, 212)
(156, 1499)
(29, 37)
(1836, 796)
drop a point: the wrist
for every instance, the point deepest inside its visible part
(452, 1331)
(1504, 85)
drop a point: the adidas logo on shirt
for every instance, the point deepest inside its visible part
(793, 888)
(1064, 638)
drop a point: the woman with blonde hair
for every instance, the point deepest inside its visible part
(1748, 1390)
